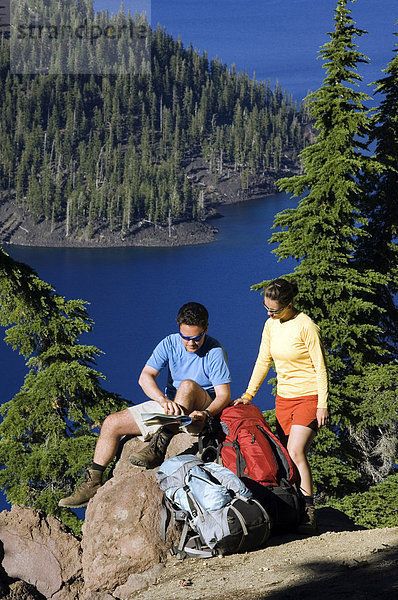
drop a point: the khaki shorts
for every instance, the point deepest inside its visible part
(147, 431)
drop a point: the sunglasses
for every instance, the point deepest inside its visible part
(194, 338)
(273, 311)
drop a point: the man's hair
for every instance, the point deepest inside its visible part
(193, 313)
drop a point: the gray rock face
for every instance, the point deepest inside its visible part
(39, 550)
(122, 549)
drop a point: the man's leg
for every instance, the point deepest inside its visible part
(190, 396)
(113, 428)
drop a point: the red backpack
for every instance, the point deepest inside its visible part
(247, 446)
(250, 449)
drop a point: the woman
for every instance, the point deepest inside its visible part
(291, 339)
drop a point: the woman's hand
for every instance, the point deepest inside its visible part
(242, 400)
(322, 416)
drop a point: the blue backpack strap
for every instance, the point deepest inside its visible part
(169, 511)
(193, 505)
(183, 537)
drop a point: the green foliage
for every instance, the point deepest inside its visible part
(343, 293)
(379, 248)
(378, 507)
(48, 431)
(111, 151)
(270, 416)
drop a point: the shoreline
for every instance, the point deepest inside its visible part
(184, 233)
(19, 229)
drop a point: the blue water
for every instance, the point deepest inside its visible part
(273, 38)
(135, 293)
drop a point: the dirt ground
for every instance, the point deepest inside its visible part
(344, 561)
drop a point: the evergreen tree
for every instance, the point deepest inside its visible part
(323, 234)
(48, 431)
(379, 249)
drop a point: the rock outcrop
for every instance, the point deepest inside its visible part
(39, 550)
(121, 551)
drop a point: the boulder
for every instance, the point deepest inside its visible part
(122, 548)
(20, 590)
(39, 550)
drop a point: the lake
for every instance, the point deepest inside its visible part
(273, 38)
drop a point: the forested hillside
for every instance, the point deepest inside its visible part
(108, 151)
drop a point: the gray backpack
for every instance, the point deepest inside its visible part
(218, 512)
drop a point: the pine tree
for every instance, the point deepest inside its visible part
(323, 234)
(379, 249)
(49, 429)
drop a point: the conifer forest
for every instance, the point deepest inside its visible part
(108, 151)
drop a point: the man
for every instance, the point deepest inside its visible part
(198, 386)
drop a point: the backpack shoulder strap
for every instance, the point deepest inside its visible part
(165, 517)
(169, 512)
(195, 549)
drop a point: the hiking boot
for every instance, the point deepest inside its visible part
(153, 454)
(80, 497)
(308, 524)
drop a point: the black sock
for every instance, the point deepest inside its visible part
(168, 430)
(309, 500)
(96, 467)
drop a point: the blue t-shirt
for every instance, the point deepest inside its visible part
(207, 366)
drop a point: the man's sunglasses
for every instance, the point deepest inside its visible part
(273, 311)
(195, 338)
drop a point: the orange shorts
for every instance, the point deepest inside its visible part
(296, 411)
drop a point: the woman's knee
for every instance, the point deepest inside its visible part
(297, 454)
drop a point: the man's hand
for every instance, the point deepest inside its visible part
(171, 408)
(198, 416)
(322, 416)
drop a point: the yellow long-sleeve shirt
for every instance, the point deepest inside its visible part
(296, 349)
